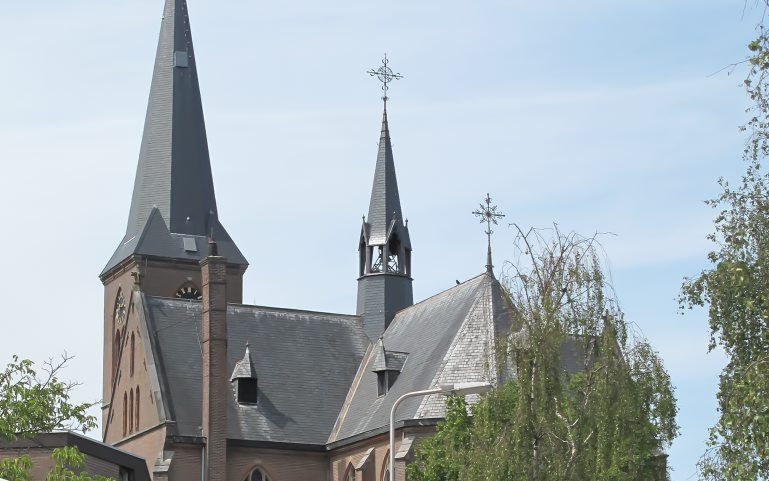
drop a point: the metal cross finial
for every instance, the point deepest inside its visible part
(385, 75)
(488, 214)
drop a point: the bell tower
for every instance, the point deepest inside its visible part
(384, 249)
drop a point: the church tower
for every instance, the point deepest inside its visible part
(384, 282)
(173, 208)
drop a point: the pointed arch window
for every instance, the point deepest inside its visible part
(349, 475)
(376, 266)
(125, 413)
(115, 353)
(136, 416)
(394, 255)
(131, 411)
(133, 354)
(257, 474)
(386, 468)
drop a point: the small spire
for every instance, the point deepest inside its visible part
(244, 369)
(488, 214)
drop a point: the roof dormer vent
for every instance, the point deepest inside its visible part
(387, 365)
(244, 377)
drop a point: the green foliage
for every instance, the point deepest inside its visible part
(31, 404)
(735, 290)
(68, 462)
(16, 469)
(607, 417)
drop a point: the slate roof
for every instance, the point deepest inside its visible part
(173, 175)
(449, 337)
(155, 240)
(305, 363)
(384, 212)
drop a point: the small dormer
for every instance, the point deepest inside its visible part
(245, 380)
(387, 365)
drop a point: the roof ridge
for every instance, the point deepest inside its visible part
(442, 292)
(255, 306)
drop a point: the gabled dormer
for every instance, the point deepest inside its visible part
(244, 379)
(387, 365)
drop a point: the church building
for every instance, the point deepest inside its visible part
(205, 387)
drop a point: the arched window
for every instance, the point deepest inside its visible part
(133, 353)
(125, 414)
(136, 417)
(257, 474)
(349, 475)
(131, 411)
(118, 321)
(386, 468)
(115, 353)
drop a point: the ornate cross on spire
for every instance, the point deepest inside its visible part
(488, 214)
(385, 75)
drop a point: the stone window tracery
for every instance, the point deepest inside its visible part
(257, 474)
(349, 475)
(386, 467)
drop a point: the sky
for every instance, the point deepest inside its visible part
(597, 115)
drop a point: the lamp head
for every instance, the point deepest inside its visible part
(465, 388)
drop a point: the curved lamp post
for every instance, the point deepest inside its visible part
(458, 389)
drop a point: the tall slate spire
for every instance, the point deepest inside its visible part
(384, 283)
(174, 170)
(173, 177)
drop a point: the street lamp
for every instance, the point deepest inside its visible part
(458, 389)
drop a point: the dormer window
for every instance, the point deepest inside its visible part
(387, 365)
(385, 380)
(245, 380)
(247, 389)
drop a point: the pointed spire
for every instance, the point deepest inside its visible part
(174, 171)
(385, 204)
(244, 369)
(173, 176)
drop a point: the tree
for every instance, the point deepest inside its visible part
(589, 398)
(735, 290)
(32, 403)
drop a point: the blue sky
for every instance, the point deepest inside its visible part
(597, 115)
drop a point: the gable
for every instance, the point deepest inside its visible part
(446, 337)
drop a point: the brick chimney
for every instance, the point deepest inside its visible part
(215, 375)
